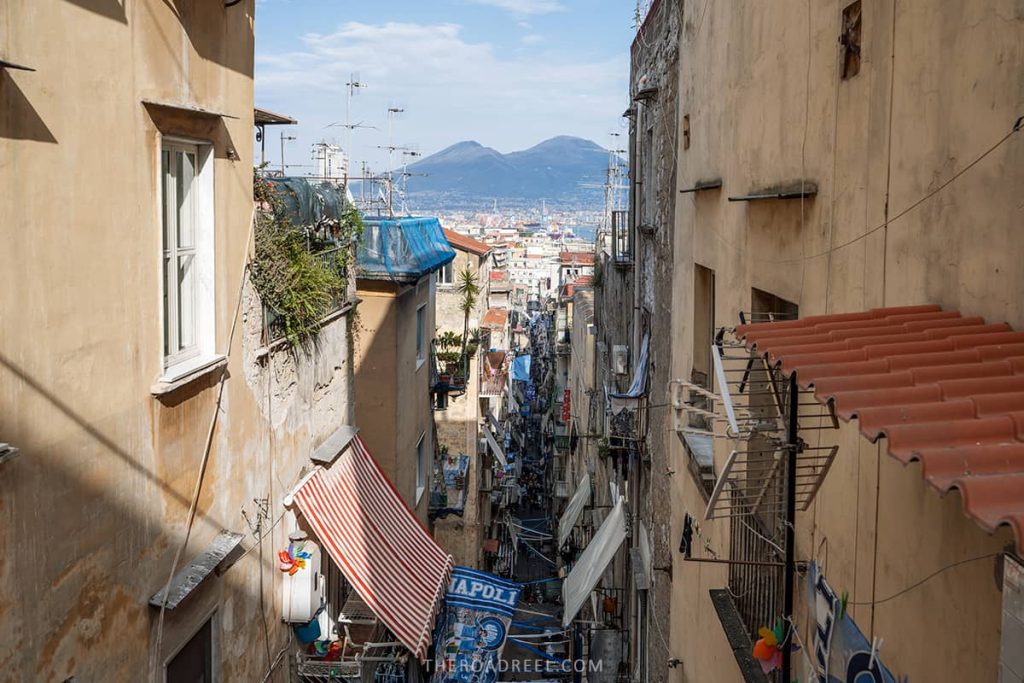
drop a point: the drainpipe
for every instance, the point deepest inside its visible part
(789, 571)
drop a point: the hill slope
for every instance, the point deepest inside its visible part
(563, 169)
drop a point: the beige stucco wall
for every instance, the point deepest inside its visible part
(750, 76)
(95, 506)
(393, 410)
(458, 426)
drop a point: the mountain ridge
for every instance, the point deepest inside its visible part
(563, 168)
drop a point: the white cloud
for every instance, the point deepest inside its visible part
(451, 89)
(532, 39)
(525, 6)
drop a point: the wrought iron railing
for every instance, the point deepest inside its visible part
(756, 577)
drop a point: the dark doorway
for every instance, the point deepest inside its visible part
(194, 662)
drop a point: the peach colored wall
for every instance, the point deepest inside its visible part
(766, 105)
(95, 506)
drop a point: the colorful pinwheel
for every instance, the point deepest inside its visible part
(292, 559)
(768, 648)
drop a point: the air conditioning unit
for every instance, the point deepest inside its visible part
(620, 359)
(303, 589)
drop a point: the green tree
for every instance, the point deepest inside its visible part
(469, 290)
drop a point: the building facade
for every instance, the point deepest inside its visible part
(393, 349)
(458, 423)
(139, 382)
(789, 162)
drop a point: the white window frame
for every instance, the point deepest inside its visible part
(446, 274)
(177, 360)
(421, 335)
(421, 466)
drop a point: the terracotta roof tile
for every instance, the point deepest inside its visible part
(494, 318)
(460, 241)
(941, 388)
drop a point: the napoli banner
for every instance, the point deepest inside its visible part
(472, 627)
(839, 651)
(521, 368)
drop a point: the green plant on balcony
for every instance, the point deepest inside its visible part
(299, 286)
(474, 342)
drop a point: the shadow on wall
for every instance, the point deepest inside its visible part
(111, 9)
(18, 118)
(94, 433)
(81, 554)
(202, 20)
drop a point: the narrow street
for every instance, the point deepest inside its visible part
(533, 341)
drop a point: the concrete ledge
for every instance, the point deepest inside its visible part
(737, 636)
(164, 387)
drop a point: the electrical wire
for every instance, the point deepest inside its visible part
(923, 581)
(1017, 126)
(204, 461)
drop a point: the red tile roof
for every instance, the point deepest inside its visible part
(494, 318)
(464, 243)
(576, 258)
(497, 275)
(942, 389)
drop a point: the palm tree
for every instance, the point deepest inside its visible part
(469, 289)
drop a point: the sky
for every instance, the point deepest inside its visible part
(506, 73)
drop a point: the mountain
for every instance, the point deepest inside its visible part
(564, 169)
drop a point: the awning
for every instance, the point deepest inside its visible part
(574, 509)
(942, 389)
(495, 447)
(588, 569)
(374, 538)
(497, 425)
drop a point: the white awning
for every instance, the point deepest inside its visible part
(495, 448)
(588, 569)
(497, 425)
(580, 499)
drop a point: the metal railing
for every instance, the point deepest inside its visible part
(756, 577)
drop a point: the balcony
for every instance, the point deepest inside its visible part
(622, 240)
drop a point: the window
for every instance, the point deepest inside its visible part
(194, 662)
(703, 324)
(422, 466)
(446, 274)
(850, 39)
(421, 334)
(187, 256)
(766, 307)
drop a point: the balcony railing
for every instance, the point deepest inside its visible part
(622, 239)
(332, 259)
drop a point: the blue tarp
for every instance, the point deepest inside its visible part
(521, 368)
(402, 249)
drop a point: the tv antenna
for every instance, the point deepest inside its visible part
(284, 138)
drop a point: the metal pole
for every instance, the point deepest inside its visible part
(792, 441)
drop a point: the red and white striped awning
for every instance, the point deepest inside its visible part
(378, 543)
